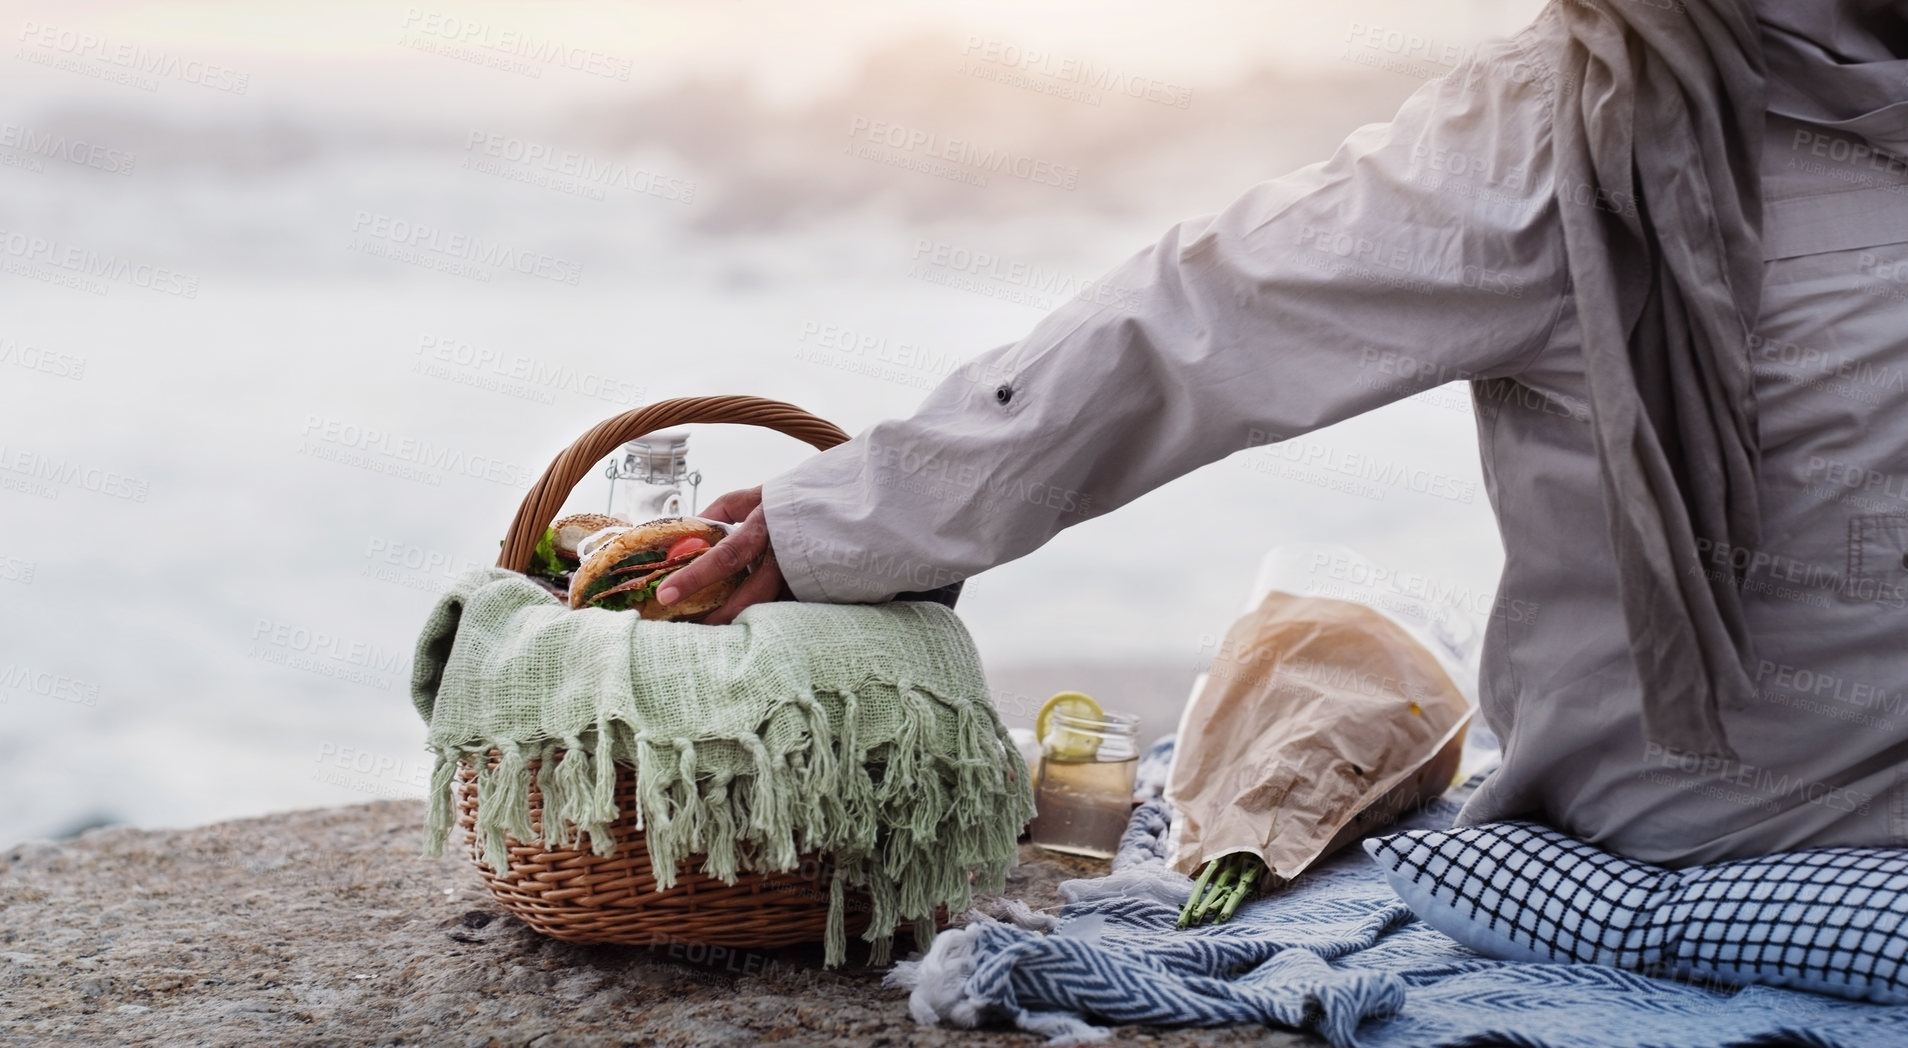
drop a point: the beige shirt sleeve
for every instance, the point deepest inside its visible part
(1424, 251)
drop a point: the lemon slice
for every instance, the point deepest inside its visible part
(1069, 745)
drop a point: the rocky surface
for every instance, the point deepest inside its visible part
(326, 928)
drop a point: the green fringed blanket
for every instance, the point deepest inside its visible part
(862, 732)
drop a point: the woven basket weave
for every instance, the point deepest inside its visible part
(575, 895)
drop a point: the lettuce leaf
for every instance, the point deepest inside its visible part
(543, 559)
(620, 601)
(650, 556)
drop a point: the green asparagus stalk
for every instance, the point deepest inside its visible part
(1221, 889)
(1253, 867)
(1192, 901)
(1223, 885)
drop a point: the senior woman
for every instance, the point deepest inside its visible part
(1668, 247)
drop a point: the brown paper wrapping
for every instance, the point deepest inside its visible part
(1321, 720)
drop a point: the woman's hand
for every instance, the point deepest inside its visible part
(747, 545)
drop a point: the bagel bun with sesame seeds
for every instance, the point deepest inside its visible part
(622, 573)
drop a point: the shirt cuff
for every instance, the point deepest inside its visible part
(781, 509)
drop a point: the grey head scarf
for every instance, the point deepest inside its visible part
(1658, 131)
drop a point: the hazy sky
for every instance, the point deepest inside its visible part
(788, 50)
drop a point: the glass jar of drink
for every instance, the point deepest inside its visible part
(647, 476)
(1085, 796)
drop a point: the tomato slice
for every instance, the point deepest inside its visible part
(684, 546)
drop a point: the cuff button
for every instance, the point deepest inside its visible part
(1004, 394)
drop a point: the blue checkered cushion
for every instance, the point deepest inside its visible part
(1826, 919)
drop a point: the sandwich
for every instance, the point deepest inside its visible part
(622, 573)
(557, 554)
(567, 535)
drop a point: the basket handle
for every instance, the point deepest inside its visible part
(551, 490)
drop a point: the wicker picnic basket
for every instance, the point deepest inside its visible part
(575, 895)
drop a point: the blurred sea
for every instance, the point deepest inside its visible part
(242, 458)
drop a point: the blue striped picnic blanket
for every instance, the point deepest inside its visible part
(1335, 953)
